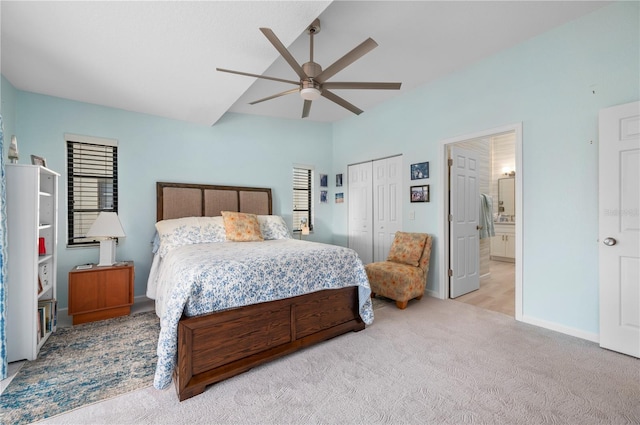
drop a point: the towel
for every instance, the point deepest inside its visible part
(486, 217)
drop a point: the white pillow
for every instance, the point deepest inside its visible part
(189, 230)
(273, 227)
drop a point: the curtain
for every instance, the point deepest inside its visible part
(3, 261)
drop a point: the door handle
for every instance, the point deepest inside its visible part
(609, 241)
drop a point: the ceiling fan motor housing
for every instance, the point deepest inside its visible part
(312, 69)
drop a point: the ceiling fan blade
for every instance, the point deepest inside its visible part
(340, 101)
(264, 77)
(355, 54)
(284, 93)
(285, 53)
(306, 108)
(357, 86)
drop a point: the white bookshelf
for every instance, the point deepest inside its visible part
(32, 213)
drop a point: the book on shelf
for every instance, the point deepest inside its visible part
(38, 334)
(41, 322)
(49, 316)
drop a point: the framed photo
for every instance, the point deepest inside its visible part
(38, 160)
(420, 193)
(339, 198)
(338, 180)
(420, 171)
(324, 181)
(323, 197)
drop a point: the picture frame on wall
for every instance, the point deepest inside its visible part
(324, 197)
(38, 160)
(339, 198)
(419, 193)
(324, 180)
(419, 171)
(338, 180)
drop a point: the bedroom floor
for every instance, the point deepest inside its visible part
(497, 291)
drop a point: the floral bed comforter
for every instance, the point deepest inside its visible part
(202, 278)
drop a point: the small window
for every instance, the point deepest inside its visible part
(302, 197)
(92, 184)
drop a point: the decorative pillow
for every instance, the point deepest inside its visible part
(407, 248)
(189, 230)
(273, 227)
(241, 227)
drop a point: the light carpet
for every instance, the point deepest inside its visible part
(81, 365)
(437, 362)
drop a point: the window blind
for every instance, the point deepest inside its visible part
(92, 186)
(302, 197)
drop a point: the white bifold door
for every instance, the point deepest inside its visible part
(375, 207)
(360, 205)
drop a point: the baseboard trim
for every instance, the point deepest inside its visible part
(567, 330)
(434, 294)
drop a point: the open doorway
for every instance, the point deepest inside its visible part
(499, 261)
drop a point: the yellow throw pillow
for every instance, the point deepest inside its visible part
(241, 227)
(407, 248)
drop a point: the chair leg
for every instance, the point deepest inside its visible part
(419, 297)
(373, 294)
(402, 304)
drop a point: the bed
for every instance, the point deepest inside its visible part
(224, 306)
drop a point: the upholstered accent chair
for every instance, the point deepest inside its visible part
(403, 276)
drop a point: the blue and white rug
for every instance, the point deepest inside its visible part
(82, 365)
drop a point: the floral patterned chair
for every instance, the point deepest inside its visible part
(403, 276)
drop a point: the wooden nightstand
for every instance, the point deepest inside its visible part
(99, 293)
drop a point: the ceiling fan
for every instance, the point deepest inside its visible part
(313, 79)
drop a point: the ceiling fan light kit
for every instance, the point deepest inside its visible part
(313, 80)
(310, 93)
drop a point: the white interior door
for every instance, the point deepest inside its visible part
(463, 224)
(387, 204)
(619, 228)
(360, 206)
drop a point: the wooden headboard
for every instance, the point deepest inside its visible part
(177, 200)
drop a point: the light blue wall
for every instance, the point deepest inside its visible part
(238, 150)
(548, 84)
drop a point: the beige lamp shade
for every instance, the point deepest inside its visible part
(107, 225)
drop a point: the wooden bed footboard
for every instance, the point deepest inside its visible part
(217, 346)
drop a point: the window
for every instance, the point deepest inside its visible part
(302, 196)
(92, 184)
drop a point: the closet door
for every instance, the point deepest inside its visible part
(387, 204)
(360, 210)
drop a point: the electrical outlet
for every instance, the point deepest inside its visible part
(412, 215)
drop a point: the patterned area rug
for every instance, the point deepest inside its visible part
(82, 365)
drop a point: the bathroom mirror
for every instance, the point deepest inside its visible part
(507, 196)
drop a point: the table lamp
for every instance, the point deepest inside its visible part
(106, 228)
(304, 227)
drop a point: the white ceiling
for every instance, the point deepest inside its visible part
(159, 58)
